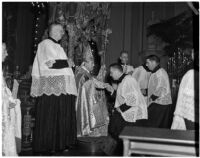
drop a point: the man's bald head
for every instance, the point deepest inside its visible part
(116, 71)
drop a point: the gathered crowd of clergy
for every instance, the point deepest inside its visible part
(73, 103)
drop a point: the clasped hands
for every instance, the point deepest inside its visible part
(51, 62)
(70, 62)
(109, 88)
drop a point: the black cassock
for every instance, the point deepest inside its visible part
(55, 125)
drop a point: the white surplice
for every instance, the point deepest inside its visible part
(160, 87)
(11, 122)
(128, 92)
(142, 77)
(185, 106)
(51, 81)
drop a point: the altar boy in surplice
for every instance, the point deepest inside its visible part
(130, 105)
(159, 95)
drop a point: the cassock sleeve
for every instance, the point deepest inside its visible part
(98, 84)
(59, 64)
(130, 100)
(185, 105)
(128, 95)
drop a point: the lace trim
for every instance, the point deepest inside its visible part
(56, 85)
(130, 99)
(186, 108)
(178, 123)
(134, 113)
(130, 115)
(164, 99)
(141, 114)
(160, 91)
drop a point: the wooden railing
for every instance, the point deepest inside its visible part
(158, 142)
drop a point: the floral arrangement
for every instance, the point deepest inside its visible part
(176, 32)
(86, 21)
(89, 23)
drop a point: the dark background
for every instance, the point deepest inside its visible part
(128, 22)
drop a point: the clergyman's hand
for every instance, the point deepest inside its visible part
(50, 63)
(144, 92)
(109, 88)
(70, 62)
(118, 110)
(125, 69)
(114, 85)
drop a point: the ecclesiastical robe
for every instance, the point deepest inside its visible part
(159, 99)
(91, 109)
(130, 105)
(185, 111)
(142, 74)
(11, 122)
(55, 89)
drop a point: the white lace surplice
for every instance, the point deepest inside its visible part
(142, 77)
(185, 106)
(159, 86)
(129, 92)
(9, 125)
(51, 81)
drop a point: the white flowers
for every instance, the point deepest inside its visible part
(89, 22)
(107, 32)
(70, 29)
